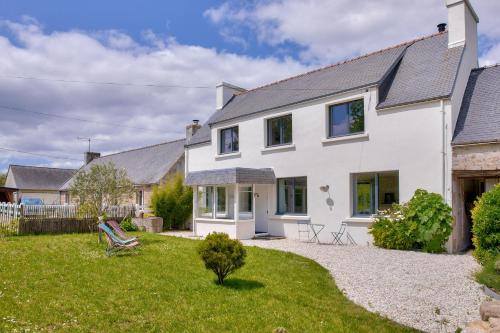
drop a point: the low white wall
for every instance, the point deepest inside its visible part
(204, 227)
(245, 229)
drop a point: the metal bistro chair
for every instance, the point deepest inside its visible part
(337, 236)
(303, 228)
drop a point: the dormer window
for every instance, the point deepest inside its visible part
(346, 118)
(229, 142)
(279, 131)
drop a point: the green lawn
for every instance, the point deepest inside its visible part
(488, 276)
(67, 284)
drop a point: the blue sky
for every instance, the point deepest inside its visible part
(189, 43)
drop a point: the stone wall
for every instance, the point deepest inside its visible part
(477, 157)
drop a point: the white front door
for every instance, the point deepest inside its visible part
(261, 208)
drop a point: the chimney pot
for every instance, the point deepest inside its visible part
(441, 27)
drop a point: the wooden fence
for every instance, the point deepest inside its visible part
(38, 219)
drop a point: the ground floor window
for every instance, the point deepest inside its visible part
(246, 202)
(292, 195)
(205, 201)
(374, 191)
(139, 198)
(219, 202)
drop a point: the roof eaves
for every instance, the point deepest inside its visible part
(424, 100)
(368, 85)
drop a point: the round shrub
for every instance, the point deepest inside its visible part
(486, 225)
(433, 217)
(221, 254)
(392, 231)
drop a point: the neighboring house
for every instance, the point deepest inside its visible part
(476, 147)
(336, 144)
(146, 167)
(32, 182)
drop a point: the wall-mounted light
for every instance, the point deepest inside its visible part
(256, 195)
(324, 188)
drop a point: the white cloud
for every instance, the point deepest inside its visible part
(330, 31)
(111, 56)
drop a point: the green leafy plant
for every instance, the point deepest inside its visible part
(221, 254)
(486, 225)
(99, 188)
(127, 224)
(392, 231)
(422, 223)
(433, 217)
(173, 202)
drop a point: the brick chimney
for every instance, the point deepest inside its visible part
(90, 156)
(192, 128)
(224, 92)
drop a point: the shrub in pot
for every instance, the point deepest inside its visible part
(486, 225)
(221, 254)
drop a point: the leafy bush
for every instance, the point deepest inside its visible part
(433, 217)
(127, 224)
(423, 223)
(392, 231)
(486, 225)
(173, 202)
(221, 254)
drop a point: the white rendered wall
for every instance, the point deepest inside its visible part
(407, 139)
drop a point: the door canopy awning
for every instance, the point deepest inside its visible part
(231, 176)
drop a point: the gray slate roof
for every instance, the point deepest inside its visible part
(231, 176)
(415, 71)
(427, 71)
(147, 165)
(479, 118)
(38, 178)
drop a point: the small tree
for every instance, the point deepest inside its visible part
(221, 254)
(173, 202)
(3, 178)
(101, 187)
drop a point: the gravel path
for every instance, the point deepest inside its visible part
(430, 292)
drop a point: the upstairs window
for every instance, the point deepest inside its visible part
(346, 118)
(229, 142)
(279, 131)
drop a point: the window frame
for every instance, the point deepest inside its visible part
(281, 129)
(374, 204)
(292, 212)
(139, 197)
(221, 214)
(329, 112)
(233, 129)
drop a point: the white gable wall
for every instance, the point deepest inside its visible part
(406, 139)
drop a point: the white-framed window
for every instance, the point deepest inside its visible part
(279, 131)
(375, 191)
(346, 118)
(229, 140)
(245, 202)
(139, 198)
(205, 201)
(221, 201)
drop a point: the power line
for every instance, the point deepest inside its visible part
(40, 155)
(109, 83)
(72, 118)
(151, 85)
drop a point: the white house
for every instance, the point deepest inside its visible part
(336, 144)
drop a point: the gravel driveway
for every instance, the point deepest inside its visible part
(430, 292)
